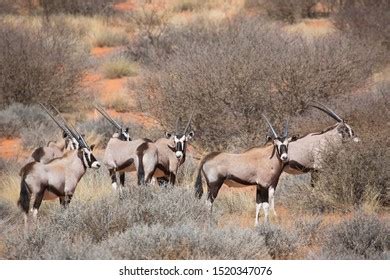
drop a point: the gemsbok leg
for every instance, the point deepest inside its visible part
(122, 178)
(262, 198)
(271, 196)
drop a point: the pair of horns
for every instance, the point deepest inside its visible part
(327, 110)
(187, 126)
(70, 131)
(285, 132)
(107, 116)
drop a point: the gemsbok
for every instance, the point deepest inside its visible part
(56, 179)
(258, 166)
(53, 149)
(120, 153)
(162, 158)
(305, 152)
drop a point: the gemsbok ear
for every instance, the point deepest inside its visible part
(190, 135)
(293, 138)
(168, 135)
(92, 147)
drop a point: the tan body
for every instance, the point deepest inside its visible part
(259, 166)
(254, 165)
(45, 154)
(305, 153)
(157, 159)
(121, 156)
(58, 177)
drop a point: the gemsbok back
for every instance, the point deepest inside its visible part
(162, 158)
(53, 149)
(259, 166)
(56, 179)
(120, 153)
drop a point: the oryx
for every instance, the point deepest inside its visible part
(259, 166)
(162, 158)
(56, 179)
(305, 152)
(53, 149)
(120, 153)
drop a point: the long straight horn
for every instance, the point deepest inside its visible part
(62, 126)
(189, 122)
(81, 140)
(177, 126)
(270, 126)
(107, 116)
(328, 111)
(70, 130)
(286, 129)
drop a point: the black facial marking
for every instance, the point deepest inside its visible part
(38, 154)
(282, 149)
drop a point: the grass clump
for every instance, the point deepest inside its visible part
(105, 37)
(118, 68)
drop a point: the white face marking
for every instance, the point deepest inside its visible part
(182, 139)
(95, 165)
(87, 157)
(114, 186)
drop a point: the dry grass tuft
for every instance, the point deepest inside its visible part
(119, 67)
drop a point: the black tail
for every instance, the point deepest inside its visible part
(140, 168)
(24, 198)
(198, 183)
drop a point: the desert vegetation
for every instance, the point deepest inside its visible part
(152, 62)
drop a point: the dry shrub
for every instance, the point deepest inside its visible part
(84, 7)
(246, 67)
(30, 123)
(183, 241)
(150, 23)
(40, 64)
(369, 20)
(285, 243)
(8, 6)
(289, 10)
(148, 223)
(352, 177)
(363, 236)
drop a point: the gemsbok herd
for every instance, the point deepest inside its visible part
(54, 171)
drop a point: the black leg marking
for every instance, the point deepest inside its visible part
(172, 178)
(213, 189)
(261, 194)
(122, 178)
(112, 175)
(62, 201)
(38, 200)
